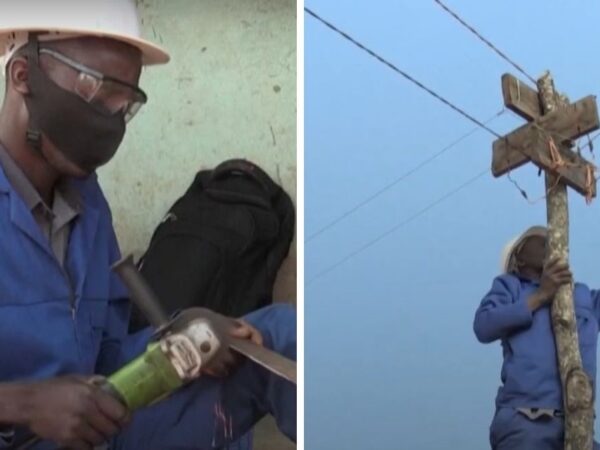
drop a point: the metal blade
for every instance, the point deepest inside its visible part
(274, 362)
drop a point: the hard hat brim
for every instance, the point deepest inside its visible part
(152, 54)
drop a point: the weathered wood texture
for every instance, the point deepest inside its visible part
(520, 98)
(530, 142)
(577, 388)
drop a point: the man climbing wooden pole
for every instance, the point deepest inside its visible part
(547, 141)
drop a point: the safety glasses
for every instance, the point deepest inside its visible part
(112, 95)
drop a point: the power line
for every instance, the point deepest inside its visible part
(418, 83)
(402, 73)
(488, 43)
(397, 180)
(433, 94)
(398, 226)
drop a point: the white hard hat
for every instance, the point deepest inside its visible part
(61, 19)
(507, 258)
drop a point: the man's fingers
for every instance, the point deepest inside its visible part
(562, 278)
(104, 424)
(126, 420)
(256, 337)
(557, 268)
(82, 379)
(226, 359)
(111, 408)
(92, 436)
(244, 330)
(222, 365)
(555, 265)
(240, 329)
(561, 267)
(79, 445)
(562, 273)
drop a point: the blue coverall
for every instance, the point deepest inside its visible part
(56, 321)
(530, 376)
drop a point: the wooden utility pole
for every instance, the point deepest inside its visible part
(547, 141)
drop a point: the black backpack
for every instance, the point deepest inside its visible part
(221, 244)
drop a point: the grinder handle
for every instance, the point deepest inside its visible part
(141, 294)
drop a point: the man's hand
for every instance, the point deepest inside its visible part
(226, 328)
(72, 412)
(554, 275)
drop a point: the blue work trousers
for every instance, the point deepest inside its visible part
(512, 430)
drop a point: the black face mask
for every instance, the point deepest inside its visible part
(86, 136)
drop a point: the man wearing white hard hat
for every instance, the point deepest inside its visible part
(516, 312)
(72, 69)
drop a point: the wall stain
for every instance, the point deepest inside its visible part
(274, 140)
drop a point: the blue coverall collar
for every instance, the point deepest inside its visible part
(83, 232)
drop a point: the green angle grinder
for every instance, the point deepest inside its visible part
(173, 359)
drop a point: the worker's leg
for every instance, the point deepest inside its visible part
(511, 430)
(211, 413)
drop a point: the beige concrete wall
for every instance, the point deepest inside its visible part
(229, 91)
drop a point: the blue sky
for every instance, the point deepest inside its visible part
(391, 359)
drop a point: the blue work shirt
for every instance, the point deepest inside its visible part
(530, 376)
(56, 320)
